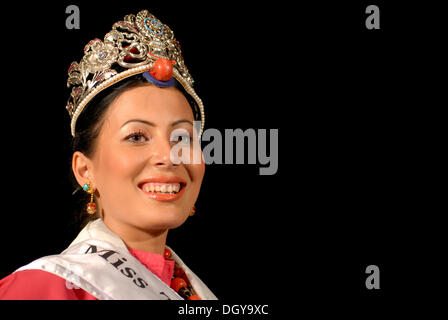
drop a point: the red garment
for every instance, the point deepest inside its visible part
(42, 285)
(156, 263)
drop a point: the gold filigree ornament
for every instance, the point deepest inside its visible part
(132, 47)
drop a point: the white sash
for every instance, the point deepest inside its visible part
(99, 262)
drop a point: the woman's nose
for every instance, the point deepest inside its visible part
(161, 153)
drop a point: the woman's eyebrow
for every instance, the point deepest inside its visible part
(139, 120)
(181, 121)
(153, 124)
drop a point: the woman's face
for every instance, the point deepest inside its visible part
(137, 183)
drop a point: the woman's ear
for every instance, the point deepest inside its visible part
(82, 168)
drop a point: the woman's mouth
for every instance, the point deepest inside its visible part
(163, 190)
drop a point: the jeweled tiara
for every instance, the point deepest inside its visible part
(138, 44)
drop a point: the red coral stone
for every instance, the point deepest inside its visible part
(167, 253)
(180, 273)
(194, 297)
(162, 69)
(91, 208)
(178, 283)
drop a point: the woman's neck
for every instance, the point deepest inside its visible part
(136, 238)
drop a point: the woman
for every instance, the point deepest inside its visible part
(131, 102)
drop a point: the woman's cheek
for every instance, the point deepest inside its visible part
(121, 163)
(197, 173)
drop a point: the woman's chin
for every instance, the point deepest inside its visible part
(163, 220)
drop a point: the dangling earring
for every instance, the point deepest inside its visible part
(91, 206)
(193, 211)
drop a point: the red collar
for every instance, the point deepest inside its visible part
(156, 263)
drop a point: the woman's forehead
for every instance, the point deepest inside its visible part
(150, 102)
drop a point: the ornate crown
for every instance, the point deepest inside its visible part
(138, 44)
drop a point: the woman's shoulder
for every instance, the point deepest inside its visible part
(33, 284)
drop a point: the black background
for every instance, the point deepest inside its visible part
(354, 158)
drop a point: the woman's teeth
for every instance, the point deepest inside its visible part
(161, 187)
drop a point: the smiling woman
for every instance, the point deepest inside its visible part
(134, 111)
(130, 92)
(132, 156)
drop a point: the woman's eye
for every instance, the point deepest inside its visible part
(136, 138)
(183, 138)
